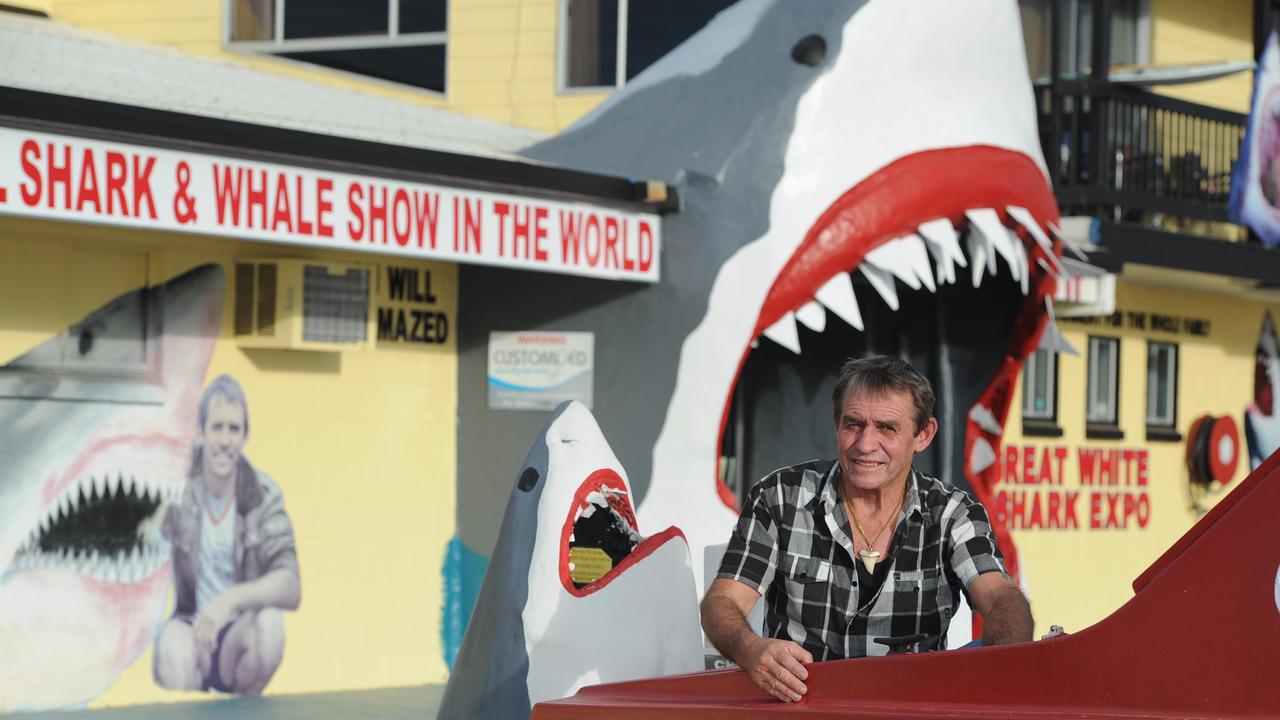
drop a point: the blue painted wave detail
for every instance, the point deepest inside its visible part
(463, 574)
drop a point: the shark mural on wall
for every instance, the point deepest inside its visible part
(855, 177)
(90, 462)
(541, 630)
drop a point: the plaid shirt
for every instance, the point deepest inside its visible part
(792, 544)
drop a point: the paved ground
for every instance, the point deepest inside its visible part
(419, 703)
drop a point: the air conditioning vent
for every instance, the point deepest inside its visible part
(303, 305)
(335, 308)
(244, 299)
(267, 299)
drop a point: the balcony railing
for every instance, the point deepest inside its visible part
(1156, 154)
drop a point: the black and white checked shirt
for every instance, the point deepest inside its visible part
(792, 544)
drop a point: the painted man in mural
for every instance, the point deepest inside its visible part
(235, 565)
(913, 538)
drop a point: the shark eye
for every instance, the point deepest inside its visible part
(86, 341)
(528, 479)
(810, 50)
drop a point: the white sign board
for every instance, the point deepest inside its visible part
(540, 370)
(69, 178)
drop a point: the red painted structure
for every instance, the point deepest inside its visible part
(1199, 639)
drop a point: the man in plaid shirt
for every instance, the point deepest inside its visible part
(862, 555)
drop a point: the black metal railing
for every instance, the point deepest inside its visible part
(1157, 154)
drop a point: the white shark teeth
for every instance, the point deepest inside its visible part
(837, 296)
(906, 259)
(979, 252)
(1067, 242)
(882, 281)
(812, 316)
(784, 333)
(982, 457)
(943, 244)
(986, 222)
(1052, 339)
(1023, 273)
(985, 419)
(1023, 217)
(100, 484)
(113, 481)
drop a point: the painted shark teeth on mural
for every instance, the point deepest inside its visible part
(148, 552)
(907, 259)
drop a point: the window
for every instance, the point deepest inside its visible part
(1130, 34)
(1162, 388)
(1039, 378)
(1103, 382)
(604, 43)
(1040, 394)
(402, 41)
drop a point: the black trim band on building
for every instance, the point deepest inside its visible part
(101, 119)
(1194, 253)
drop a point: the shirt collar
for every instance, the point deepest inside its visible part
(827, 499)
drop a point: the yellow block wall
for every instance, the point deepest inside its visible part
(1186, 32)
(1076, 577)
(501, 54)
(361, 443)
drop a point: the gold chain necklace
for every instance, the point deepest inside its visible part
(869, 555)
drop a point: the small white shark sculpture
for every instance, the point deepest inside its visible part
(535, 633)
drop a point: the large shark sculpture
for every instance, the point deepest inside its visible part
(89, 461)
(538, 632)
(839, 164)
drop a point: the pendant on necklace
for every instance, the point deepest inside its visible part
(869, 558)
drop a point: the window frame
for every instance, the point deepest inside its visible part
(1045, 425)
(1094, 427)
(392, 39)
(1158, 428)
(1070, 37)
(562, 52)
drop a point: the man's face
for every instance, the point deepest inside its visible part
(224, 436)
(877, 438)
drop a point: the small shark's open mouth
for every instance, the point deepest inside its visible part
(106, 525)
(928, 219)
(601, 538)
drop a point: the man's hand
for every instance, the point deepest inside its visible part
(775, 667)
(210, 620)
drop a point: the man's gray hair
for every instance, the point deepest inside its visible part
(878, 375)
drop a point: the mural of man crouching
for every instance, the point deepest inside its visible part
(235, 563)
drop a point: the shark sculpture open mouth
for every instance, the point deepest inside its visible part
(601, 518)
